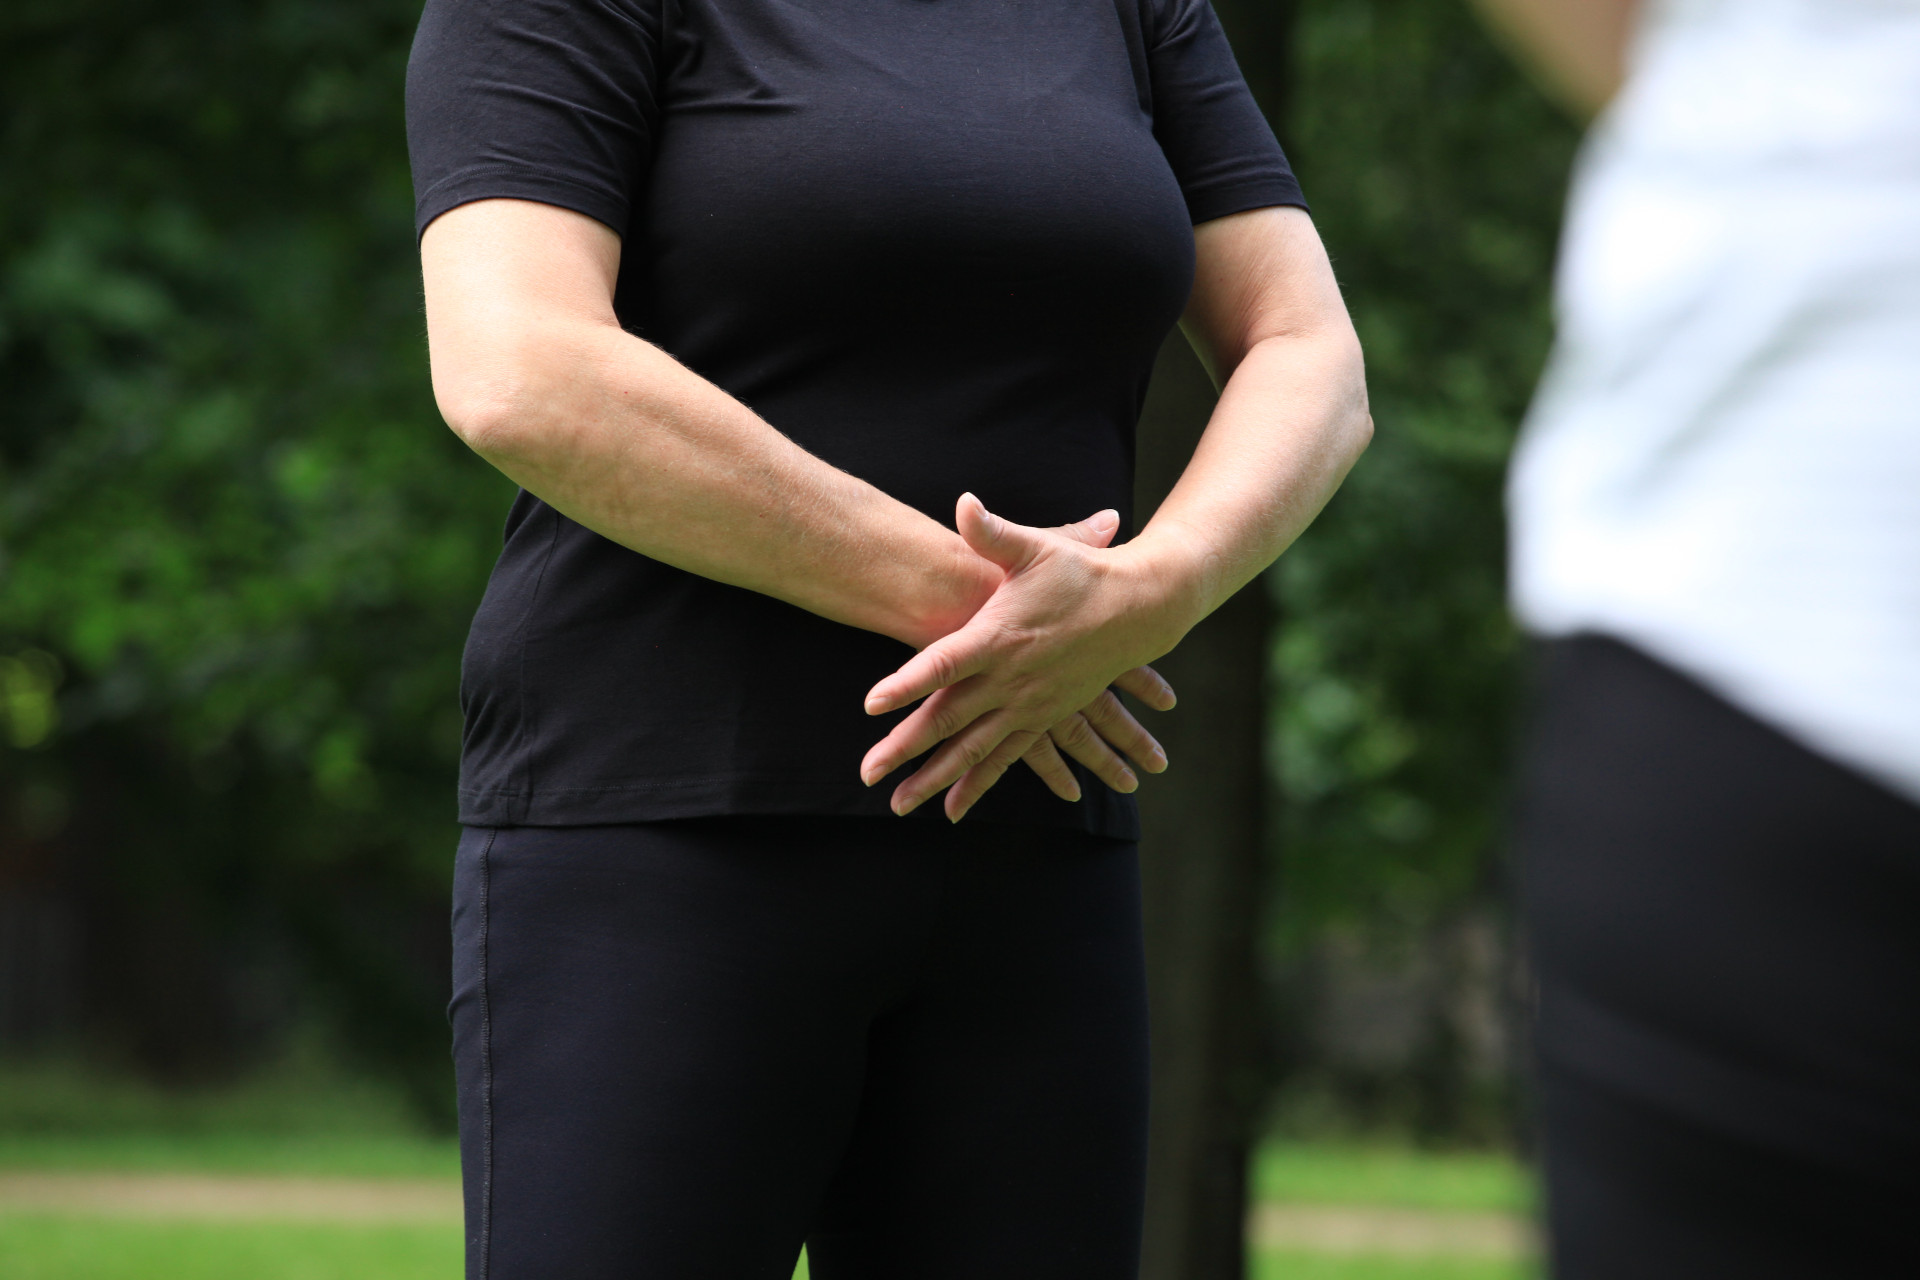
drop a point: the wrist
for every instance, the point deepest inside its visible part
(947, 595)
(1167, 574)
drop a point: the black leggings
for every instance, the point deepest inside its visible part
(1726, 932)
(684, 1048)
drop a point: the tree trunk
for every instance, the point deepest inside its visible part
(1201, 862)
(1203, 847)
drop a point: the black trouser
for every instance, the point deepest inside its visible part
(1726, 932)
(685, 1047)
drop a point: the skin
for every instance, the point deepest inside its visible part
(1267, 319)
(1576, 49)
(532, 370)
(1022, 632)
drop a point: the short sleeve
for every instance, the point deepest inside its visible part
(1212, 132)
(548, 100)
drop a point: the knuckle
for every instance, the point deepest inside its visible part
(942, 666)
(944, 722)
(1016, 745)
(1007, 750)
(1074, 732)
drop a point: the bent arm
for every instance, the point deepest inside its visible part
(1576, 48)
(1292, 419)
(532, 369)
(1267, 320)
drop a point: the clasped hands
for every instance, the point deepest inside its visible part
(1031, 674)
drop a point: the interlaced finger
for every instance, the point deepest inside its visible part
(938, 718)
(1045, 760)
(977, 781)
(971, 746)
(945, 662)
(1149, 686)
(1076, 736)
(1114, 723)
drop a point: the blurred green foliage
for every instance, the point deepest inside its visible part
(1436, 174)
(226, 506)
(232, 534)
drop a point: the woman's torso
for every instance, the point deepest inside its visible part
(935, 242)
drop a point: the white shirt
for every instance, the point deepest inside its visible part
(1723, 464)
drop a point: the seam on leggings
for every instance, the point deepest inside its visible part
(486, 1060)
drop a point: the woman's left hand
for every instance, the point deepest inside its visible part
(1033, 668)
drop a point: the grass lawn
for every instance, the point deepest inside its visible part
(60, 1247)
(41, 1246)
(1401, 1177)
(47, 1247)
(54, 1248)
(302, 1124)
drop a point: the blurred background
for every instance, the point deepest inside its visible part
(238, 554)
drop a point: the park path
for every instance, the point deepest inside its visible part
(1323, 1229)
(1373, 1229)
(421, 1201)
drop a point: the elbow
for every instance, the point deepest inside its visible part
(499, 414)
(1340, 372)
(1359, 431)
(493, 426)
(1359, 435)
(1357, 414)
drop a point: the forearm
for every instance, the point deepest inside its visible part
(1071, 617)
(532, 369)
(636, 447)
(1290, 423)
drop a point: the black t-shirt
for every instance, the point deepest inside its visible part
(935, 242)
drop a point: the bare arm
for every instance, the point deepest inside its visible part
(1292, 418)
(1576, 48)
(532, 370)
(1267, 320)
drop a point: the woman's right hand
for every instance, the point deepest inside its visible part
(1103, 736)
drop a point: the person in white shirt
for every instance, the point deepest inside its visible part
(1716, 534)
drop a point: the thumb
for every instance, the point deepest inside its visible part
(1009, 545)
(1096, 530)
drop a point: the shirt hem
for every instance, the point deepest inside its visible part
(1101, 813)
(1204, 204)
(466, 187)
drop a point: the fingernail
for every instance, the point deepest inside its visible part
(1127, 781)
(1075, 796)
